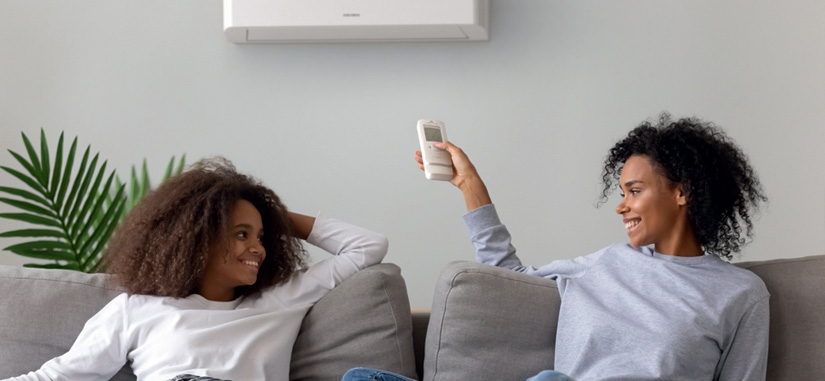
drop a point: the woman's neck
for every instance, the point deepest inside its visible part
(682, 245)
(215, 293)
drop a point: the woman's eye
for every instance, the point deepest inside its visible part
(621, 194)
(241, 234)
(634, 191)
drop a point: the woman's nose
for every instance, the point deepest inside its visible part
(621, 208)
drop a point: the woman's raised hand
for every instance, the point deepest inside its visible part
(465, 176)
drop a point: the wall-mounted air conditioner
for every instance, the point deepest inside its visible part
(274, 21)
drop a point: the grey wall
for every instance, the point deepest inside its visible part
(331, 127)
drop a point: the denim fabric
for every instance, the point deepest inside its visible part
(550, 375)
(189, 377)
(365, 374)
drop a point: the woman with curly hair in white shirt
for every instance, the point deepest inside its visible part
(216, 283)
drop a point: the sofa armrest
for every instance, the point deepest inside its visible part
(490, 323)
(43, 311)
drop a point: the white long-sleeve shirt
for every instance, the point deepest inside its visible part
(249, 338)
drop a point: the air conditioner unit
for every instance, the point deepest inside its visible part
(278, 21)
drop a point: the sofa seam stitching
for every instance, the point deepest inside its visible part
(441, 325)
(395, 321)
(63, 281)
(798, 260)
(480, 271)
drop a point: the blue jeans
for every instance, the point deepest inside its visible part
(365, 374)
(189, 377)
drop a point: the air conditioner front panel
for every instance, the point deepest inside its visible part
(354, 20)
(372, 33)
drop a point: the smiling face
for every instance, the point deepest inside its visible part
(236, 261)
(654, 211)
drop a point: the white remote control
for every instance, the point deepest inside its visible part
(437, 162)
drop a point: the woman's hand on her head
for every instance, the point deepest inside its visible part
(303, 224)
(465, 176)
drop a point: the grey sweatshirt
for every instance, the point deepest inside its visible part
(634, 314)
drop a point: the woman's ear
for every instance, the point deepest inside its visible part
(681, 195)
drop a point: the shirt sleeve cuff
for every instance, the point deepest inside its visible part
(321, 220)
(481, 218)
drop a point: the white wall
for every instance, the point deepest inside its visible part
(331, 126)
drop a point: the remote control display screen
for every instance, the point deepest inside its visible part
(432, 134)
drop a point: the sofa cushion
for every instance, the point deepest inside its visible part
(797, 288)
(365, 321)
(490, 323)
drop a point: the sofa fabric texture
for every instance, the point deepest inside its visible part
(365, 320)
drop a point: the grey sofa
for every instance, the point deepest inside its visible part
(365, 321)
(478, 328)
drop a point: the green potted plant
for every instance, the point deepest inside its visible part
(73, 209)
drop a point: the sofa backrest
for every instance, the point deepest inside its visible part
(490, 323)
(797, 339)
(365, 321)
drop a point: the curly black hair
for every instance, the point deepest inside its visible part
(162, 245)
(720, 185)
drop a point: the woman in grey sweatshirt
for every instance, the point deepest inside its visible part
(667, 304)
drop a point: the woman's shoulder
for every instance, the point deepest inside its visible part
(743, 277)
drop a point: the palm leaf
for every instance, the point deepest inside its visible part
(24, 178)
(178, 170)
(32, 219)
(69, 202)
(80, 224)
(29, 207)
(82, 196)
(44, 161)
(64, 182)
(103, 230)
(26, 195)
(53, 250)
(90, 226)
(58, 165)
(38, 172)
(77, 208)
(139, 188)
(69, 220)
(26, 233)
(52, 266)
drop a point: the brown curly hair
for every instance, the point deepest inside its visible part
(162, 245)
